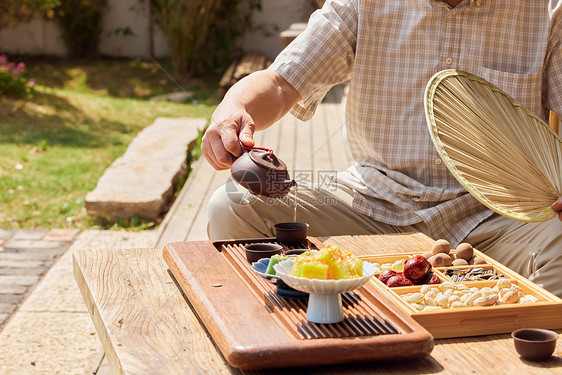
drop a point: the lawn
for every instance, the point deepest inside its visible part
(56, 145)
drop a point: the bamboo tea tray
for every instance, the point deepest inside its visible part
(255, 328)
(545, 312)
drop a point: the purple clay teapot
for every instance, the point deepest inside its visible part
(261, 172)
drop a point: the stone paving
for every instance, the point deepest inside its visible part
(25, 256)
(45, 325)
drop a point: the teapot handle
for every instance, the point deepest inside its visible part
(248, 149)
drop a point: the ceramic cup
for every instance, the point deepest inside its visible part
(257, 251)
(291, 232)
(534, 344)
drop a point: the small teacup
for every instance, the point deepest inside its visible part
(257, 251)
(534, 344)
(291, 232)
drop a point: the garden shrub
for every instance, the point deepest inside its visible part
(202, 34)
(12, 81)
(13, 12)
(80, 24)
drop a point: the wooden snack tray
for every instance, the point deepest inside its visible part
(254, 328)
(474, 321)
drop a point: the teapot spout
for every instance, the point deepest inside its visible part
(290, 183)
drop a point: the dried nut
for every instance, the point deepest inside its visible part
(473, 297)
(441, 300)
(488, 300)
(398, 266)
(441, 246)
(453, 298)
(486, 291)
(431, 308)
(460, 293)
(528, 298)
(478, 260)
(427, 254)
(447, 285)
(448, 293)
(429, 301)
(517, 288)
(461, 287)
(464, 251)
(440, 260)
(432, 293)
(504, 283)
(457, 304)
(510, 296)
(417, 306)
(424, 289)
(460, 262)
(413, 297)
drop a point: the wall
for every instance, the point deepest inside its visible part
(41, 37)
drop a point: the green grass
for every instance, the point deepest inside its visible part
(55, 146)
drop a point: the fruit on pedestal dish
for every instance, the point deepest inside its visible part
(328, 263)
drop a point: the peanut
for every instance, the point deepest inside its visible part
(488, 300)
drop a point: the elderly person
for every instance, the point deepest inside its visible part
(389, 50)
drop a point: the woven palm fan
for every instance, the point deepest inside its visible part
(504, 155)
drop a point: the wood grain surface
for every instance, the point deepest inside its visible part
(147, 327)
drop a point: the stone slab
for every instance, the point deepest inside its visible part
(61, 235)
(142, 181)
(18, 280)
(48, 343)
(58, 290)
(12, 289)
(6, 233)
(26, 244)
(29, 234)
(11, 298)
(22, 254)
(20, 264)
(6, 308)
(23, 271)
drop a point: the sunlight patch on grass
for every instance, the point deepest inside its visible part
(55, 147)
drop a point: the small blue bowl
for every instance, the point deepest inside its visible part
(283, 289)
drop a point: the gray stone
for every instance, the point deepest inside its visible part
(29, 234)
(23, 271)
(36, 254)
(10, 298)
(142, 181)
(6, 233)
(6, 308)
(12, 289)
(18, 280)
(20, 264)
(23, 245)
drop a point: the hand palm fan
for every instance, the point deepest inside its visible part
(504, 155)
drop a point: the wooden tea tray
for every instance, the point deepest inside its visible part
(254, 328)
(474, 321)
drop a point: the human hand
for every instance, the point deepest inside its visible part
(557, 206)
(220, 142)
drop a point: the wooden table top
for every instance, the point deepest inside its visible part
(147, 327)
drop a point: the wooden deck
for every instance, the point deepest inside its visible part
(318, 143)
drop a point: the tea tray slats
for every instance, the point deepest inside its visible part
(255, 329)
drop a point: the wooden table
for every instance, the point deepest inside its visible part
(147, 327)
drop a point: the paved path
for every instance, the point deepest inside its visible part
(25, 256)
(45, 326)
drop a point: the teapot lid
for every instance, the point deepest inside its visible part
(266, 159)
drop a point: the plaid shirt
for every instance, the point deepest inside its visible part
(389, 50)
